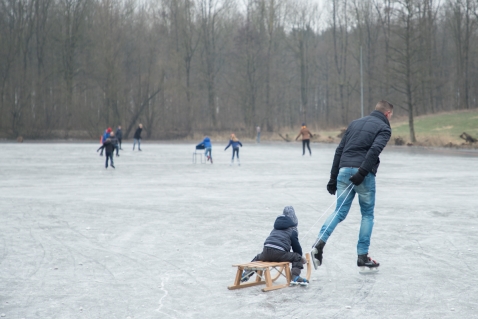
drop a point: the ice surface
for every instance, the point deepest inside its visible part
(156, 237)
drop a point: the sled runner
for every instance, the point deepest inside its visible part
(263, 271)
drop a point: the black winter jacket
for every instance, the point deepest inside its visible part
(119, 134)
(285, 235)
(137, 134)
(362, 144)
(108, 145)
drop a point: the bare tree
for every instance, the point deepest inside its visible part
(405, 58)
(302, 23)
(340, 35)
(212, 30)
(463, 24)
(73, 18)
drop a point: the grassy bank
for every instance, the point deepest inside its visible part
(438, 129)
(430, 130)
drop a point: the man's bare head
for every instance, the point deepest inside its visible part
(385, 107)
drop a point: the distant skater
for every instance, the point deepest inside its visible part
(207, 145)
(356, 162)
(137, 137)
(119, 136)
(258, 130)
(109, 148)
(277, 247)
(306, 135)
(114, 141)
(106, 135)
(235, 148)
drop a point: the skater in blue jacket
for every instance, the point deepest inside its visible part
(207, 145)
(235, 148)
(277, 246)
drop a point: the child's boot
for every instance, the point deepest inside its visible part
(298, 280)
(246, 274)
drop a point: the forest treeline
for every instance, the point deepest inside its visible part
(71, 68)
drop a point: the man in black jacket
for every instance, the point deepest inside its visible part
(119, 136)
(353, 171)
(137, 137)
(277, 246)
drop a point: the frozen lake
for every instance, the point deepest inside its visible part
(156, 237)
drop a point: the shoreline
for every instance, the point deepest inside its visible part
(459, 150)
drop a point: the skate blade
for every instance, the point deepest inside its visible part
(315, 261)
(293, 284)
(366, 270)
(304, 284)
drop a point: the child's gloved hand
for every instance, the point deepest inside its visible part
(304, 261)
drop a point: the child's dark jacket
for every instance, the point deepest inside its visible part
(284, 235)
(108, 146)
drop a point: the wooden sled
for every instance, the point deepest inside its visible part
(263, 274)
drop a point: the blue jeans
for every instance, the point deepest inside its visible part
(110, 157)
(208, 151)
(137, 140)
(366, 196)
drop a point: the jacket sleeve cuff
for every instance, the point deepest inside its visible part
(362, 171)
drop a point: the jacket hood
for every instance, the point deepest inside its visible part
(206, 139)
(283, 222)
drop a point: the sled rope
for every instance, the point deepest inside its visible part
(336, 212)
(333, 203)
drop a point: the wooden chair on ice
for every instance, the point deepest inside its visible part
(263, 273)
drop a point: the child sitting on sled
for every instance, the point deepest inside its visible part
(277, 246)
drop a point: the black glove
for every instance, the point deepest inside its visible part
(332, 185)
(358, 177)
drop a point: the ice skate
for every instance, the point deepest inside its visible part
(316, 253)
(298, 280)
(113, 166)
(367, 265)
(246, 275)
